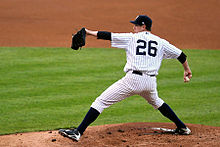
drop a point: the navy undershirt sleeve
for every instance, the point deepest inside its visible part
(104, 35)
(182, 58)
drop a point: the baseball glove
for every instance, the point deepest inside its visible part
(78, 39)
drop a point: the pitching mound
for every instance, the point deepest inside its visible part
(129, 134)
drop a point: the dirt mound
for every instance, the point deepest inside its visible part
(50, 23)
(126, 135)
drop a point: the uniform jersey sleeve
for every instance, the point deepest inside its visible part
(121, 40)
(170, 51)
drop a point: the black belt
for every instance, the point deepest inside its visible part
(140, 73)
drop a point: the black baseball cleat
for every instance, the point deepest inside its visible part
(70, 133)
(182, 131)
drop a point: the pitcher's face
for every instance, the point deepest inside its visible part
(138, 28)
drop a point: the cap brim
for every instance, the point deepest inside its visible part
(134, 22)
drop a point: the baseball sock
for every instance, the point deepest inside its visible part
(168, 112)
(90, 117)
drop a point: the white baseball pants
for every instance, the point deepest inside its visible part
(129, 85)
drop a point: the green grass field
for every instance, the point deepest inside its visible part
(51, 88)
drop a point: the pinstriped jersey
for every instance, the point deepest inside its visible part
(144, 50)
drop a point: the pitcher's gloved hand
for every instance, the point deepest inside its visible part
(79, 39)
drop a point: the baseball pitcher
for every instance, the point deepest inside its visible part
(145, 52)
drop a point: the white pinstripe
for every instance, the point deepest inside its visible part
(132, 84)
(147, 63)
(129, 85)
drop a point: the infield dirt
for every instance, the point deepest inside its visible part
(50, 23)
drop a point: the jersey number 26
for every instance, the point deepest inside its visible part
(140, 50)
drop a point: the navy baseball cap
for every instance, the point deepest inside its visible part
(143, 20)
